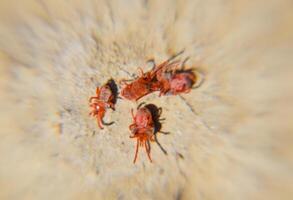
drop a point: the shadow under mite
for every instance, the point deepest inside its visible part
(156, 114)
(114, 88)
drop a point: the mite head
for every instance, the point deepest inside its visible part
(182, 82)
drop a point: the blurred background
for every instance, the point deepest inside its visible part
(231, 138)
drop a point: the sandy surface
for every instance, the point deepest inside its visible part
(230, 139)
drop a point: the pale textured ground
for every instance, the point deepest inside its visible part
(234, 132)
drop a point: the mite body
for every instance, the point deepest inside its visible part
(138, 88)
(176, 82)
(181, 82)
(165, 78)
(142, 129)
(173, 81)
(145, 84)
(105, 98)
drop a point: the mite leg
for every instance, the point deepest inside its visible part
(186, 91)
(123, 81)
(90, 99)
(100, 122)
(172, 66)
(148, 150)
(99, 119)
(140, 71)
(152, 138)
(101, 115)
(176, 55)
(160, 110)
(136, 151)
(141, 96)
(164, 132)
(163, 92)
(112, 106)
(201, 80)
(107, 123)
(142, 103)
(93, 105)
(132, 114)
(93, 113)
(98, 91)
(183, 63)
(161, 147)
(152, 61)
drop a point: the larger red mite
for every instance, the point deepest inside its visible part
(104, 99)
(165, 78)
(146, 83)
(142, 129)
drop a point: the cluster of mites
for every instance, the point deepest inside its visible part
(169, 78)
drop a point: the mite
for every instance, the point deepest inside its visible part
(105, 98)
(139, 87)
(165, 78)
(145, 84)
(173, 81)
(181, 82)
(142, 129)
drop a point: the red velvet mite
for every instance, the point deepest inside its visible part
(177, 82)
(139, 87)
(142, 129)
(145, 84)
(173, 81)
(104, 99)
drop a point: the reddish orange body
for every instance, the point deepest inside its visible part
(146, 83)
(173, 81)
(177, 82)
(104, 99)
(139, 87)
(165, 78)
(181, 82)
(142, 129)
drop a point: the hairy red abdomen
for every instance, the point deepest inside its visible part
(182, 82)
(143, 118)
(136, 90)
(105, 94)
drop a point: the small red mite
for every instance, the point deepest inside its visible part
(142, 129)
(182, 82)
(175, 82)
(104, 99)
